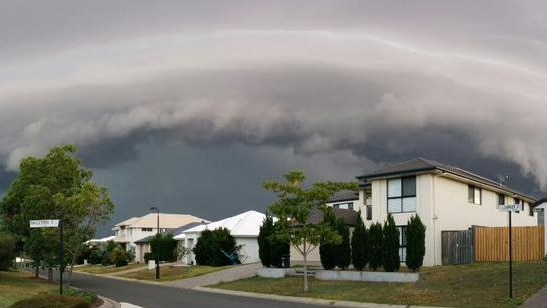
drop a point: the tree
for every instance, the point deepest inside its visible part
(390, 245)
(55, 187)
(375, 246)
(327, 249)
(293, 208)
(279, 247)
(7, 251)
(264, 239)
(343, 249)
(167, 247)
(216, 248)
(359, 244)
(415, 243)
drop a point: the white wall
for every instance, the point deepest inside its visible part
(442, 204)
(249, 249)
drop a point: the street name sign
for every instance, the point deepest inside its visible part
(510, 207)
(44, 223)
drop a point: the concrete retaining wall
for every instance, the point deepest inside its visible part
(268, 272)
(366, 276)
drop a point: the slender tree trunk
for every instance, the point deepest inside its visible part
(305, 255)
(36, 271)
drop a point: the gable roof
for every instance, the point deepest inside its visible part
(345, 195)
(147, 239)
(421, 165)
(245, 224)
(348, 216)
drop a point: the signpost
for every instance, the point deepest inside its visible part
(53, 223)
(510, 208)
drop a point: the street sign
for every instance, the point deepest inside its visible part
(510, 207)
(44, 223)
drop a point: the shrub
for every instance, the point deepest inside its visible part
(342, 251)
(264, 241)
(279, 247)
(96, 255)
(167, 247)
(327, 250)
(390, 246)
(375, 246)
(212, 247)
(359, 244)
(7, 251)
(52, 301)
(415, 243)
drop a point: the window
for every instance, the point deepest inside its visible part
(517, 201)
(501, 199)
(474, 194)
(348, 205)
(146, 229)
(369, 212)
(402, 243)
(401, 195)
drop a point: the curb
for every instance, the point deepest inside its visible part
(108, 303)
(306, 300)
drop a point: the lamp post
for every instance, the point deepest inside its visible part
(157, 254)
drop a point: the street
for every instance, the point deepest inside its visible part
(150, 295)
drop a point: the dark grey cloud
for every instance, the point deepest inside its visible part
(334, 87)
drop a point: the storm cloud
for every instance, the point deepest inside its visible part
(335, 87)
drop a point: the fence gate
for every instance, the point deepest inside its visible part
(457, 247)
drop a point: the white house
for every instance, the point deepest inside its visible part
(133, 229)
(243, 227)
(446, 198)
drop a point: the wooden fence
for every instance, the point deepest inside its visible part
(457, 247)
(492, 243)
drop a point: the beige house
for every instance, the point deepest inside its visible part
(446, 198)
(136, 228)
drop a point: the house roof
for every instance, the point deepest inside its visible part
(244, 224)
(167, 221)
(422, 165)
(345, 195)
(349, 216)
(147, 239)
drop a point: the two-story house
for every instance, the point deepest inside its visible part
(446, 198)
(133, 229)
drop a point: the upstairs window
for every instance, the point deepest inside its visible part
(146, 229)
(501, 199)
(474, 194)
(530, 210)
(369, 212)
(348, 205)
(401, 195)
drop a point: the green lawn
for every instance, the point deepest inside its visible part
(16, 286)
(170, 273)
(476, 285)
(111, 269)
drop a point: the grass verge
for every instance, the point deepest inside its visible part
(16, 286)
(111, 269)
(475, 285)
(170, 273)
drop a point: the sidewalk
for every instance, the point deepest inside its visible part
(539, 300)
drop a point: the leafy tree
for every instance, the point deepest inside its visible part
(359, 244)
(7, 251)
(375, 246)
(55, 187)
(415, 243)
(293, 208)
(390, 245)
(167, 247)
(264, 235)
(327, 249)
(343, 249)
(213, 246)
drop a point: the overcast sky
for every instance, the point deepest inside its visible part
(190, 106)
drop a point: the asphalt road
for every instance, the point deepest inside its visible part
(152, 296)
